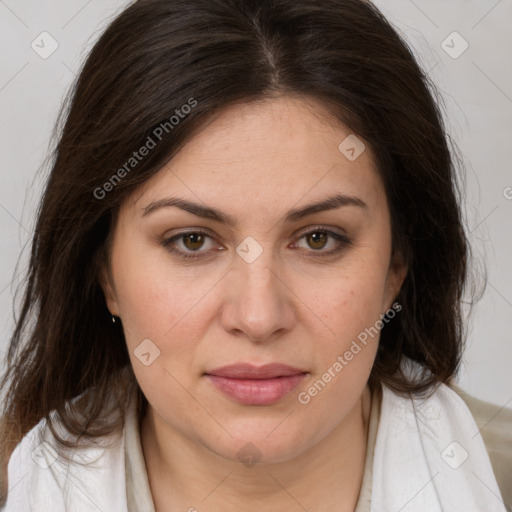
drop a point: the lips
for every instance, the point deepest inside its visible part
(256, 385)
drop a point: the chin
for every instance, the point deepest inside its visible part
(265, 445)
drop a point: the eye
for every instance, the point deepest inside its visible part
(191, 243)
(198, 244)
(320, 239)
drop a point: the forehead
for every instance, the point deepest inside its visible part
(274, 152)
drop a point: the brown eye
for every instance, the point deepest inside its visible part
(191, 244)
(317, 239)
(193, 241)
(324, 242)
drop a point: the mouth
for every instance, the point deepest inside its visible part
(252, 385)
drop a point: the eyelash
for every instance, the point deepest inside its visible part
(343, 241)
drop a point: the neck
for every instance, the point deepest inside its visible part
(186, 476)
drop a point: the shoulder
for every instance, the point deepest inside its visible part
(495, 426)
(43, 475)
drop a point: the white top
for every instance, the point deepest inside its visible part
(115, 478)
(41, 481)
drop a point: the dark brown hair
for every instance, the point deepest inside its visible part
(160, 55)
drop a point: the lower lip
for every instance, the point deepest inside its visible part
(257, 391)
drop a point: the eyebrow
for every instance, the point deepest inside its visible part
(294, 215)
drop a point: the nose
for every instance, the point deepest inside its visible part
(259, 302)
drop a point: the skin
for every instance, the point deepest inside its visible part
(255, 162)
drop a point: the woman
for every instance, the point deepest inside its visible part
(246, 277)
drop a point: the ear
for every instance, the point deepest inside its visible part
(106, 284)
(397, 273)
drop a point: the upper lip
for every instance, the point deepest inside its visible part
(250, 371)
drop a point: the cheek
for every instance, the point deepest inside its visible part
(350, 307)
(353, 301)
(155, 308)
(167, 306)
(153, 296)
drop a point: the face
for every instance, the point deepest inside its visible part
(242, 305)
